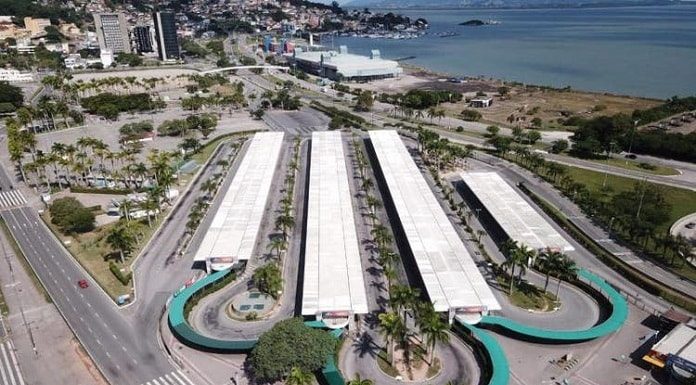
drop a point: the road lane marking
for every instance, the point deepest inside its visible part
(7, 364)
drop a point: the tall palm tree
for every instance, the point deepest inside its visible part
(381, 235)
(434, 329)
(565, 270)
(151, 206)
(391, 325)
(285, 222)
(518, 257)
(125, 208)
(121, 239)
(298, 376)
(548, 263)
(278, 244)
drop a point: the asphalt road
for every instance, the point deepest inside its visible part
(117, 348)
(584, 258)
(123, 343)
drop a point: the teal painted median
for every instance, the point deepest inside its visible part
(499, 366)
(613, 323)
(181, 328)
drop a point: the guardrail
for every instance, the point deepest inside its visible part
(613, 323)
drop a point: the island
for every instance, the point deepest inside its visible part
(478, 22)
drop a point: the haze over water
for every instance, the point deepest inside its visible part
(640, 51)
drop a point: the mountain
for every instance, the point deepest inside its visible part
(424, 4)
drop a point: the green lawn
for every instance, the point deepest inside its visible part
(683, 201)
(4, 310)
(527, 296)
(635, 166)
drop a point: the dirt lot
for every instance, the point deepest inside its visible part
(524, 103)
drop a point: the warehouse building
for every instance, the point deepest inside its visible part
(507, 215)
(333, 288)
(426, 237)
(235, 227)
(342, 65)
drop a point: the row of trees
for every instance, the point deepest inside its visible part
(418, 99)
(549, 262)
(268, 278)
(635, 215)
(403, 300)
(203, 123)
(110, 105)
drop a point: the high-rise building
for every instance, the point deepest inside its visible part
(142, 39)
(112, 32)
(165, 34)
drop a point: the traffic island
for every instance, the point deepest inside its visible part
(251, 306)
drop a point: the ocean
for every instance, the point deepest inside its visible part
(639, 51)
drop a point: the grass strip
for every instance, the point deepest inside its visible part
(634, 275)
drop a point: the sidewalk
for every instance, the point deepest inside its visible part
(58, 357)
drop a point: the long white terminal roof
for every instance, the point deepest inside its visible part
(451, 278)
(233, 231)
(518, 218)
(333, 279)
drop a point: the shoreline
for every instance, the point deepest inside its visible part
(429, 75)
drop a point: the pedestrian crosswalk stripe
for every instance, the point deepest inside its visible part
(11, 198)
(9, 368)
(173, 378)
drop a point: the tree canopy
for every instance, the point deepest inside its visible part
(11, 94)
(290, 344)
(71, 216)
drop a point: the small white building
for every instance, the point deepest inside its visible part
(481, 102)
(14, 76)
(107, 57)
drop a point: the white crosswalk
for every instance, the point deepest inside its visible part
(11, 198)
(173, 378)
(9, 368)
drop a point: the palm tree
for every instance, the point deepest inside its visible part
(285, 222)
(360, 381)
(121, 239)
(208, 187)
(566, 269)
(518, 257)
(367, 185)
(125, 208)
(391, 325)
(434, 329)
(278, 244)
(299, 377)
(381, 235)
(151, 205)
(548, 263)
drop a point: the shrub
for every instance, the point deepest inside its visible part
(123, 278)
(471, 115)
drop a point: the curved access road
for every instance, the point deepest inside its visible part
(189, 336)
(613, 323)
